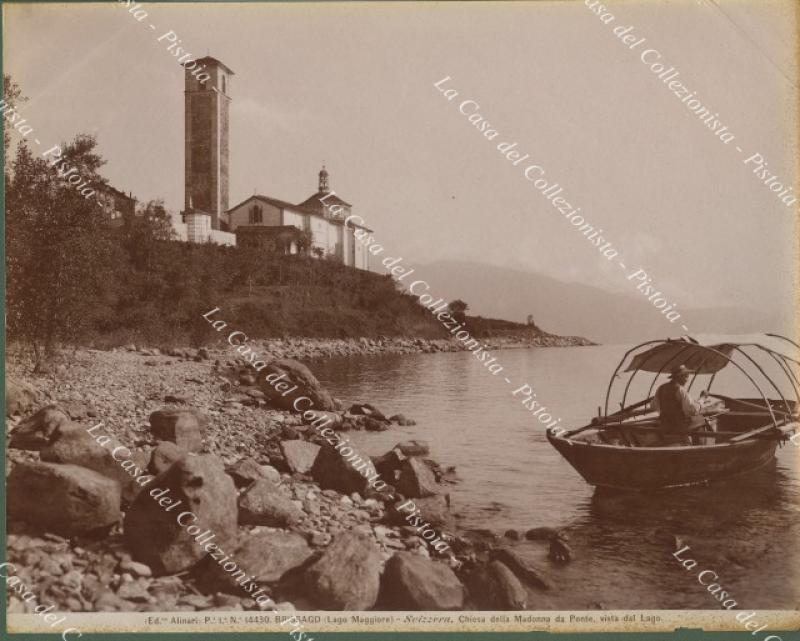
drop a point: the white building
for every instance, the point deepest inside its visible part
(318, 222)
(195, 227)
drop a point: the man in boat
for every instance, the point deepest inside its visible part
(677, 410)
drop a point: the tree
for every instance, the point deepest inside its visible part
(12, 97)
(304, 241)
(143, 261)
(141, 233)
(251, 263)
(458, 310)
(60, 255)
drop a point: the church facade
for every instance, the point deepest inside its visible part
(318, 225)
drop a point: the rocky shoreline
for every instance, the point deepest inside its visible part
(307, 530)
(307, 349)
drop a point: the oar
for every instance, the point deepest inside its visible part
(763, 409)
(755, 432)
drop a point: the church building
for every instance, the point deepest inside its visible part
(319, 222)
(317, 225)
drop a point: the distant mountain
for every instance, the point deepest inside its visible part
(576, 309)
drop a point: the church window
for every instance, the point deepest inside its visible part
(256, 215)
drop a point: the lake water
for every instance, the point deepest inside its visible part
(746, 532)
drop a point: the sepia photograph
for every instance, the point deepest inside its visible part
(421, 317)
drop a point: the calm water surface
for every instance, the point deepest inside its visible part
(512, 478)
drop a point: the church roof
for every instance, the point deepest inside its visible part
(272, 201)
(314, 200)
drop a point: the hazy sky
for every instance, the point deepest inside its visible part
(352, 84)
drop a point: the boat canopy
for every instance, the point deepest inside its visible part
(707, 354)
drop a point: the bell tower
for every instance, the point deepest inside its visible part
(207, 148)
(324, 181)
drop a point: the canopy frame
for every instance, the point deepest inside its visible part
(690, 343)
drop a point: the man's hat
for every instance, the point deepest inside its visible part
(680, 370)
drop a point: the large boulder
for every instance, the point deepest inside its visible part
(278, 381)
(332, 472)
(350, 422)
(264, 504)
(247, 471)
(184, 427)
(347, 576)
(526, 571)
(495, 587)
(414, 582)
(74, 445)
(21, 396)
(68, 500)
(366, 409)
(374, 425)
(560, 551)
(541, 534)
(267, 556)
(416, 480)
(39, 429)
(414, 447)
(388, 465)
(77, 410)
(164, 456)
(154, 535)
(300, 455)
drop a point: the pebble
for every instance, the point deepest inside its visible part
(108, 601)
(384, 532)
(222, 599)
(196, 600)
(320, 539)
(138, 569)
(310, 507)
(133, 591)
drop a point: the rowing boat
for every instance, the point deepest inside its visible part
(629, 449)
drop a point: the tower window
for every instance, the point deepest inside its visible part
(256, 215)
(223, 85)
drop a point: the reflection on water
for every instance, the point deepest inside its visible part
(745, 530)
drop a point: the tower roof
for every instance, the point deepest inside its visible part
(209, 60)
(315, 202)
